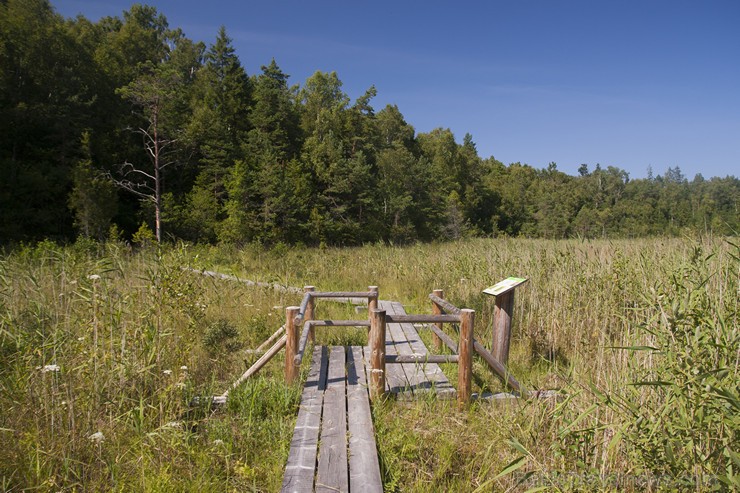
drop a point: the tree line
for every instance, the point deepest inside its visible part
(126, 126)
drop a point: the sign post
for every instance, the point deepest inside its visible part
(503, 311)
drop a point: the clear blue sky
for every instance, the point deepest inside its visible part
(622, 83)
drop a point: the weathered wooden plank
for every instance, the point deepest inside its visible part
(417, 379)
(333, 472)
(301, 467)
(433, 372)
(364, 466)
(227, 277)
(395, 377)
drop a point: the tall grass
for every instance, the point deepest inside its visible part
(102, 349)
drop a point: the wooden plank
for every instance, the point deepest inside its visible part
(395, 377)
(217, 275)
(301, 467)
(333, 473)
(434, 373)
(417, 379)
(364, 466)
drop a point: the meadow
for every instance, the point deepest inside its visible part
(103, 348)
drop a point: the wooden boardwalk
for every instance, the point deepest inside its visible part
(333, 446)
(410, 380)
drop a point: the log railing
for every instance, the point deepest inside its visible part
(300, 324)
(463, 358)
(441, 306)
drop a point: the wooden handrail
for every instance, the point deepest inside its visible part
(257, 366)
(310, 324)
(344, 294)
(419, 319)
(444, 304)
(422, 358)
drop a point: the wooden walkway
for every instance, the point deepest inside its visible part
(410, 380)
(333, 446)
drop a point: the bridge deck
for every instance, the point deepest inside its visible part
(333, 446)
(409, 380)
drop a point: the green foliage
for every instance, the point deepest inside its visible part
(260, 161)
(685, 409)
(144, 236)
(221, 335)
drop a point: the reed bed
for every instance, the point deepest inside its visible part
(102, 350)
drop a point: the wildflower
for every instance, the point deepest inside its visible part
(48, 368)
(97, 437)
(93, 277)
(184, 368)
(167, 372)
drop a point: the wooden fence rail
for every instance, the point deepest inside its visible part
(440, 305)
(444, 312)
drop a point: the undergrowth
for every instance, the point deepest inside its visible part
(102, 350)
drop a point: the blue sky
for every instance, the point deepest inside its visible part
(623, 83)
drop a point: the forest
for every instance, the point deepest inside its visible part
(126, 128)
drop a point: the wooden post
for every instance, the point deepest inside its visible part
(309, 315)
(436, 310)
(372, 303)
(465, 361)
(291, 344)
(377, 353)
(502, 313)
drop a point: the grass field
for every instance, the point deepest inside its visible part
(103, 348)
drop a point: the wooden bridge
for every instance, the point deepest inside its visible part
(333, 446)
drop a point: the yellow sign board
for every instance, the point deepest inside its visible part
(506, 285)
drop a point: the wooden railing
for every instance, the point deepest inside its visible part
(441, 306)
(295, 346)
(295, 341)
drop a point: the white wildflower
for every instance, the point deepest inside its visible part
(93, 277)
(184, 368)
(48, 368)
(97, 437)
(167, 372)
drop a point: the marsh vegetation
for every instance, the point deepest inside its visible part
(103, 348)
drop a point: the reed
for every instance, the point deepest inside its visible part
(103, 348)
